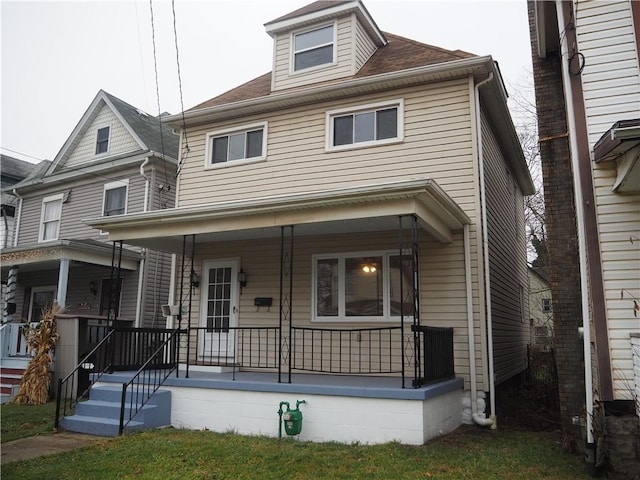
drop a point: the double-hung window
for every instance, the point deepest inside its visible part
(362, 287)
(102, 140)
(115, 198)
(50, 218)
(245, 143)
(313, 48)
(369, 125)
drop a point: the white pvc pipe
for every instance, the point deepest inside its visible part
(145, 207)
(485, 253)
(470, 327)
(582, 246)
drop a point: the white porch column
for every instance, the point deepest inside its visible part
(63, 281)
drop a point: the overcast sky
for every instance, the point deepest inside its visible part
(55, 56)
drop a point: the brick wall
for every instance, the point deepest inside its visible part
(561, 228)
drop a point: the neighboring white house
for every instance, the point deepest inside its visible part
(540, 309)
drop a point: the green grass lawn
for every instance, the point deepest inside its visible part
(20, 421)
(468, 453)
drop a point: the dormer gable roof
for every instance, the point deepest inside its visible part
(398, 54)
(143, 128)
(325, 10)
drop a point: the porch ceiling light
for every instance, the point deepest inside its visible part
(369, 266)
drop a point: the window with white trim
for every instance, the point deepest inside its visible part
(50, 218)
(368, 125)
(102, 140)
(361, 286)
(314, 48)
(115, 198)
(244, 143)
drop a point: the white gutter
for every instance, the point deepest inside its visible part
(492, 420)
(143, 252)
(582, 246)
(16, 223)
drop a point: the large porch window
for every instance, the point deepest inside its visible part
(361, 287)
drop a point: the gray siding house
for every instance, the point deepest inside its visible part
(117, 160)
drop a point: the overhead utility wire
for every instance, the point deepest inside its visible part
(186, 149)
(155, 67)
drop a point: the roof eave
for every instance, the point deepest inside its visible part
(341, 89)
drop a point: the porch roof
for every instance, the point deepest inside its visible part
(43, 256)
(345, 210)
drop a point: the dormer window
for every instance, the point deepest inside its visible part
(102, 140)
(313, 48)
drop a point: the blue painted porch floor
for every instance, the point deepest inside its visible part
(303, 383)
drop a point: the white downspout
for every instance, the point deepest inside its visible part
(582, 247)
(492, 420)
(16, 223)
(143, 252)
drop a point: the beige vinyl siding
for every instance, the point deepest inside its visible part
(443, 300)
(363, 45)
(610, 79)
(283, 77)
(437, 144)
(120, 140)
(507, 261)
(618, 221)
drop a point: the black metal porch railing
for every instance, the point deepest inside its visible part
(438, 353)
(149, 377)
(121, 349)
(77, 383)
(357, 351)
(248, 347)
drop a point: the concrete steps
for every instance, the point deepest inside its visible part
(100, 415)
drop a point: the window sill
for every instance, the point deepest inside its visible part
(235, 163)
(355, 146)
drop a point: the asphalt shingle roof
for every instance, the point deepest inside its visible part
(398, 54)
(147, 127)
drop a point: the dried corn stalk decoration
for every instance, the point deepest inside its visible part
(41, 340)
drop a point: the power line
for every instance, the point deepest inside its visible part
(23, 154)
(184, 124)
(155, 67)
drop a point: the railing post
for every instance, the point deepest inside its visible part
(122, 405)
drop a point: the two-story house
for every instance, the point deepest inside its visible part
(349, 230)
(585, 57)
(117, 160)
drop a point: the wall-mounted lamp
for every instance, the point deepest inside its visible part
(369, 266)
(242, 279)
(93, 289)
(194, 279)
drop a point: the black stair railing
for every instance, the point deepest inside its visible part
(149, 378)
(77, 384)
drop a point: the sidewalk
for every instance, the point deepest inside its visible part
(40, 445)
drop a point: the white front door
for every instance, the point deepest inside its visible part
(219, 309)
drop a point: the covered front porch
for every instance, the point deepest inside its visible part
(264, 295)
